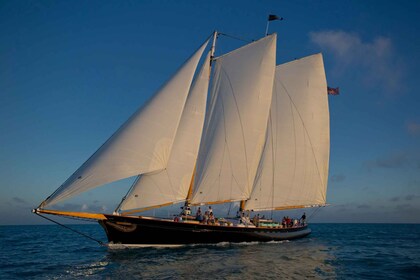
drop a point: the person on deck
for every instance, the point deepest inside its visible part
(211, 219)
(206, 217)
(256, 220)
(303, 219)
(199, 215)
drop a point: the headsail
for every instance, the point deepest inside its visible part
(235, 126)
(294, 168)
(142, 144)
(171, 184)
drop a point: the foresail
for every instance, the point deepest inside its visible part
(236, 122)
(294, 168)
(142, 144)
(171, 184)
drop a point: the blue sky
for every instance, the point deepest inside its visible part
(71, 72)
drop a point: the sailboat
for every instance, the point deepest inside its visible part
(240, 129)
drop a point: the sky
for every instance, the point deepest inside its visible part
(71, 72)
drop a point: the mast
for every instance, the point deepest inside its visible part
(190, 190)
(242, 206)
(213, 46)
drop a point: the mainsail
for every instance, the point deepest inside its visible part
(235, 126)
(143, 144)
(293, 171)
(171, 184)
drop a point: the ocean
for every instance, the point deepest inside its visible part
(332, 251)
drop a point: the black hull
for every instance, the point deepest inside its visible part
(149, 231)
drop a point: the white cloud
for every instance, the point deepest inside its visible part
(395, 160)
(401, 159)
(374, 62)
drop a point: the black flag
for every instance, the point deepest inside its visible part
(274, 17)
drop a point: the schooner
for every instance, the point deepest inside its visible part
(239, 129)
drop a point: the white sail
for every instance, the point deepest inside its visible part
(235, 127)
(294, 168)
(171, 184)
(142, 144)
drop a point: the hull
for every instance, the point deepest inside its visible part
(145, 231)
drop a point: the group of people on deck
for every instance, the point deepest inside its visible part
(206, 218)
(209, 218)
(288, 222)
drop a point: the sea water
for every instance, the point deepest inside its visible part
(332, 251)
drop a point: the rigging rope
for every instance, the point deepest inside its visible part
(236, 38)
(230, 206)
(314, 212)
(69, 228)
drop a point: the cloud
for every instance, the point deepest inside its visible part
(404, 207)
(392, 161)
(413, 128)
(395, 199)
(338, 178)
(409, 197)
(370, 212)
(374, 61)
(82, 207)
(395, 160)
(413, 184)
(19, 200)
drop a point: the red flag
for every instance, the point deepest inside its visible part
(333, 91)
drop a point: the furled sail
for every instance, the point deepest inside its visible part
(235, 127)
(293, 172)
(171, 184)
(142, 144)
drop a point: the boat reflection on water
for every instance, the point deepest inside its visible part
(278, 259)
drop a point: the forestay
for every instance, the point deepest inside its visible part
(294, 168)
(142, 144)
(171, 185)
(236, 123)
